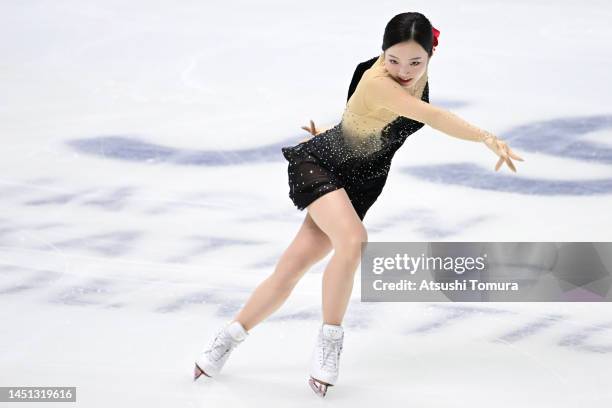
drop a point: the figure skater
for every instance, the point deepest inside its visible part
(336, 175)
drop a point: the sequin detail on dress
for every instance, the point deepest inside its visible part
(340, 158)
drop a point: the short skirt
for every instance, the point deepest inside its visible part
(309, 180)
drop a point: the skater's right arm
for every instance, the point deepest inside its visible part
(313, 130)
(359, 70)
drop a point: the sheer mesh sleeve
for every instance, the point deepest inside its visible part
(384, 92)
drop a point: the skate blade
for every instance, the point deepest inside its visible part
(197, 372)
(320, 388)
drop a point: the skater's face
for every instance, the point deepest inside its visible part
(406, 62)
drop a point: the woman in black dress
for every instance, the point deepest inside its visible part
(337, 175)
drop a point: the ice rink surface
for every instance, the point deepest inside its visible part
(143, 196)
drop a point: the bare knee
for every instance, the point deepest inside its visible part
(350, 242)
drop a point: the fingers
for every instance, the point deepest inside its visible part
(506, 157)
(506, 160)
(510, 152)
(514, 155)
(312, 129)
(499, 163)
(510, 164)
(504, 152)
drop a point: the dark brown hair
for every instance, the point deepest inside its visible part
(409, 26)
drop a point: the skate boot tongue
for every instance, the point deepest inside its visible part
(211, 360)
(331, 331)
(237, 332)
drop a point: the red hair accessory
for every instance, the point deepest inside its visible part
(436, 34)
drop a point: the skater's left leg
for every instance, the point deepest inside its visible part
(336, 216)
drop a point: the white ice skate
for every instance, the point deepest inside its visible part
(325, 359)
(211, 360)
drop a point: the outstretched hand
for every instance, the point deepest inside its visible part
(504, 152)
(312, 130)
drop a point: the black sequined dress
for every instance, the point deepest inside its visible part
(326, 162)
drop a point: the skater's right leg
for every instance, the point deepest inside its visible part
(309, 246)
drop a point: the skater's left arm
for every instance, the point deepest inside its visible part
(385, 92)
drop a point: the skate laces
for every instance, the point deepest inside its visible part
(219, 349)
(331, 350)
